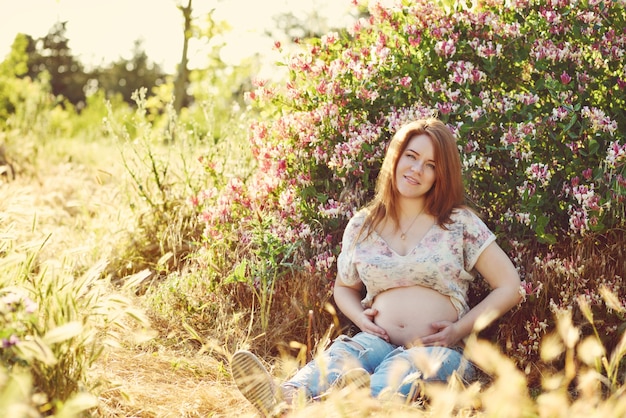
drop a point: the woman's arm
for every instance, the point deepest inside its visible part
(348, 300)
(500, 273)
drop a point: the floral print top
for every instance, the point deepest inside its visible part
(443, 260)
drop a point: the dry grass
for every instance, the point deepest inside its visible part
(79, 211)
(164, 383)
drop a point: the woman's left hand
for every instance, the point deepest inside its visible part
(445, 335)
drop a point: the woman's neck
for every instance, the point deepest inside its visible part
(408, 208)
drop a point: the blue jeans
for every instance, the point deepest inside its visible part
(390, 366)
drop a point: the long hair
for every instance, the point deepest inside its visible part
(447, 192)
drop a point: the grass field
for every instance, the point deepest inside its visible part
(75, 208)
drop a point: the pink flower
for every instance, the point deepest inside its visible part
(593, 202)
(565, 78)
(539, 172)
(11, 341)
(446, 108)
(405, 81)
(194, 201)
(527, 289)
(330, 38)
(445, 49)
(578, 220)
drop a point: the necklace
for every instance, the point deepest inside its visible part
(403, 235)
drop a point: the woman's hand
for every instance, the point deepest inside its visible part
(367, 324)
(348, 299)
(446, 334)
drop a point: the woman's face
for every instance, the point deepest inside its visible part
(415, 171)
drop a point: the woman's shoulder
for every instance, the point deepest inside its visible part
(358, 218)
(469, 222)
(466, 216)
(353, 228)
(463, 214)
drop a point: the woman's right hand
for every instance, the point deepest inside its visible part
(348, 300)
(368, 324)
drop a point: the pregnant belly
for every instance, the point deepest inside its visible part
(406, 313)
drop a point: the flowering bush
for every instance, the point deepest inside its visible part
(534, 90)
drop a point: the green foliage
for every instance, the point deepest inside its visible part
(20, 98)
(52, 54)
(163, 175)
(534, 92)
(125, 76)
(14, 65)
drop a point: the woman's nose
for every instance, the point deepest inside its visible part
(418, 166)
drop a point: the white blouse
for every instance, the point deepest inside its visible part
(443, 260)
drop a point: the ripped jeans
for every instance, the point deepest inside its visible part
(391, 367)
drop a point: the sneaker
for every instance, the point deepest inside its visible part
(253, 381)
(357, 378)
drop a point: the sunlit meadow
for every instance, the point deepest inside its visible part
(229, 243)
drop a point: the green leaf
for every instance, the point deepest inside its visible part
(238, 274)
(571, 123)
(540, 229)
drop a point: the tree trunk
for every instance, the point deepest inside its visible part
(180, 85)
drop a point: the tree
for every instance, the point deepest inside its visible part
(126, 76)
(182, 78)
(53, 55)
(14, 66)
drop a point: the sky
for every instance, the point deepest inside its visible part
(102, 31)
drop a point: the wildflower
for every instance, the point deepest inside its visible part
(539, 172)
(599, 120)
(565, 78)
(330, 38)
(615, 154)
(446, 49)
(405, 81)
(578, 220)
(527, 188)
(559, 113)
(527, 289)
(10, 342)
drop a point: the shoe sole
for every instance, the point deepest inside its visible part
(253, 381)
(354, 378)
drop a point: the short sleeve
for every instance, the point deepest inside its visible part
(346, 268)
(476, 237)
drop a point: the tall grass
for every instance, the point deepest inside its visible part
(58, 309)
(55, 325)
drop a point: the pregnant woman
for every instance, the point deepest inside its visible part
(414, 249)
